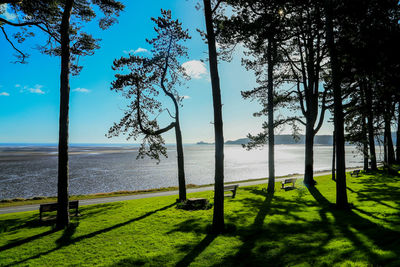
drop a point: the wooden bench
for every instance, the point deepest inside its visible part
(355, 173)
(231, 188)
(47, 207)
(288, 181)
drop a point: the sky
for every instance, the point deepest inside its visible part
(29, 93)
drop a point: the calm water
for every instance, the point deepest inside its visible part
(27, 171)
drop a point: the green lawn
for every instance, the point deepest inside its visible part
(291, 228)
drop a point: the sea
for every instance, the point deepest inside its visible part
(29, 170)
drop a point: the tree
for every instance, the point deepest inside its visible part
(67, 40)
(218, 216)
(24, 22)
(258, 26)
(162, 71)
(305, 53)
(369, 28)
(398, 135)
(341, 193)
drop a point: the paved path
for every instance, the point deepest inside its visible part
(158, 194)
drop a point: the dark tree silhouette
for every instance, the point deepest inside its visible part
(306, 53)
(67, 40)
(368, 28)
(148, 76)
(218, 216)
(341, 193)
(258, 26)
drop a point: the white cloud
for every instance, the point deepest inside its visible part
(195, 69)
(4, 12)
(4, 94)
(37, 89)
(137, 51)
(185, 97)
(141, 50)
(17, 85)
(81, 90)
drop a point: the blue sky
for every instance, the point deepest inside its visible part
(29, 93)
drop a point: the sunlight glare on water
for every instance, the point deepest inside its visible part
(32, 171)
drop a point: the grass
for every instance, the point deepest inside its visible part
(297, 227)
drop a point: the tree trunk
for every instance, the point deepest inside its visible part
(333, 156)
(218, 216)
(63, 168)
(389, 141)
(385, 151)
(370, 125)
(364, 128)
(341, 193)
(271, 137)
(365, 142)
(309, 155)
(398, 136)
(181, 166)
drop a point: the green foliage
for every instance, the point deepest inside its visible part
(46, 15)
(142, 78)
(282, 230)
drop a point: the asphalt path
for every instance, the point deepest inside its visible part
(148, 195)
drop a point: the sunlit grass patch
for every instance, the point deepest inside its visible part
(299, 227)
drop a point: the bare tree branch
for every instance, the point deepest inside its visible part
(16, 49)
(216, 6)
(32, 23)
(170, 113)
(323, 109)
(144, 130)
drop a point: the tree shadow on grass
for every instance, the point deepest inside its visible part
(197, 250)
(376, 188)
(10, 225)
(195, 226)
(91, 210)
(33, 221)
(354, 226)
(311, 240)
(385, 193)
(274, 242)
(67, 239)
(16, 243)
(249, 240)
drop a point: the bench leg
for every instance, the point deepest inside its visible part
(233, 193)
(40, 215)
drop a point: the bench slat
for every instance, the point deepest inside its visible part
(74, 204)
(231, 188)
(289, 181)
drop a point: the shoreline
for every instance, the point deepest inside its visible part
(98, 198)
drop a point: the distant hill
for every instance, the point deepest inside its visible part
(281, 140)
(203, 143)
(241, 141)
(287, 139)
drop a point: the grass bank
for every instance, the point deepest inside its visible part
(299, 227)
